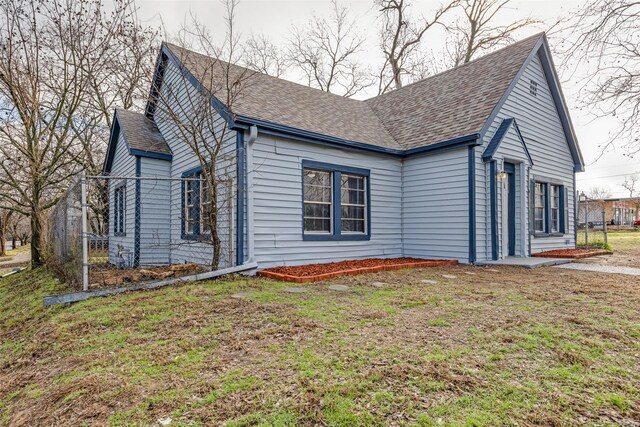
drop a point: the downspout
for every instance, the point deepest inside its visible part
(253, 135)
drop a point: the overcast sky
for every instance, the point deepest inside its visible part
(274, 18)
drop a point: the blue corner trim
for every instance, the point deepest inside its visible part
(498, 137)
(240, 196)
(337, 171)
(136, 238)
(472, 203)
(494, 209)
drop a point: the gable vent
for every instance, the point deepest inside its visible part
(533, 88)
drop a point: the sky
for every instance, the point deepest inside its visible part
(274, 18)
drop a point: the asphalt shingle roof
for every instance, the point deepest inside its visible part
(454, 103)
(141, 132)
(287, 103)
(451, 104)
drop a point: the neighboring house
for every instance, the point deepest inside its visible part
(475, 163)
(615, 211)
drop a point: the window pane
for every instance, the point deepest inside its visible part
(317, 225)
(353, 226)
(353, 204)
(317, 201)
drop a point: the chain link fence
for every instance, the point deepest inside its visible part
(592, 223)
(139, 229)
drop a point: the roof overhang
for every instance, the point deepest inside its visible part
(116, 128)
(498, 137)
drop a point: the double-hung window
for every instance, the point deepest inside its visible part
(554, 198)
(335, 202)
(539, 214)
(119, 210)
(550, 209)
(318, 201)
(196, 205)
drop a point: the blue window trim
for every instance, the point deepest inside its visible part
(120, 210)
(562, 223)
(195, 213)
(337, 171)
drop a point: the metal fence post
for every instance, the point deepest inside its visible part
(85, 236)
(586, 221)
(604, 223)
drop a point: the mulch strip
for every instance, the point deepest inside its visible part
(317, 272)
(572, 253)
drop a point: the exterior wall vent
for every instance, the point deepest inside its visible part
(533, 88)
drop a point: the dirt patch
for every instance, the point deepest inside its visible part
(317, 272)
(107, 276)
(577, 253)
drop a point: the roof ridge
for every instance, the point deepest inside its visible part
(535, 36)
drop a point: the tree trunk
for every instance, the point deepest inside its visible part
(3, 249)
(36, 238)
(13, 241)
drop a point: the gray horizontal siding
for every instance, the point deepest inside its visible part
(277, 196)
(542, 130)
(124, 165)
(436, 206)
(154, 212)
(179, 95)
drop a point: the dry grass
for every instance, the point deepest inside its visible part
(516, 346)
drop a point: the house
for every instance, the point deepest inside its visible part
(623, 211)
(476, 163)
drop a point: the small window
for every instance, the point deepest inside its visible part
(189, 206)
(533, 88)
(539, 208)
(555, 207)
(318, 205)
(119, 211)
(353, 204)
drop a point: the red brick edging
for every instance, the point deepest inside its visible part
(354, 271)
(577, 255)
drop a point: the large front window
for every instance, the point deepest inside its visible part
(335, 202)
(550, 209)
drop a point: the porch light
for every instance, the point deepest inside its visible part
(502, 175)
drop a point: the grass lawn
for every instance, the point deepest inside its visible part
(504, 347)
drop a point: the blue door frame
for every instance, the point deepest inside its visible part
(510, 169)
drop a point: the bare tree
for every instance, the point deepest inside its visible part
(478, 32)
(631, 184)
(48, 52)
(264, 56)
(199, 118)
(325, 51)
(601, 47)
(400, 38)
(5, 220)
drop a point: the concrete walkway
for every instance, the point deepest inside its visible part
(530, 262)
(16, 260)
(600, 268)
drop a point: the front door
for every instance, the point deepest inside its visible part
(509, 211)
